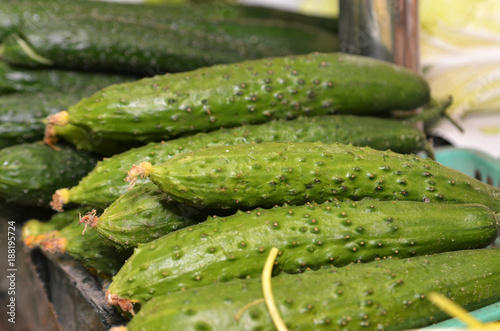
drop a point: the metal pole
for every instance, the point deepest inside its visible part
(383, 29)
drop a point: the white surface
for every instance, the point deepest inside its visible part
(283, 4)
(327, 8)
(473, 136)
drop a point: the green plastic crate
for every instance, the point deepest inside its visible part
(471, 162)
(486, 169)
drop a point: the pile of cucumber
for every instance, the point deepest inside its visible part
(171, 149)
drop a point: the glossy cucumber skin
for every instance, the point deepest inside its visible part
(91, 249)
(308, 236)
(21, 80)
(380, 295)
(105, 183)
(22, 114)
(13, 9)
(248, 92)
(266, 174)
(31, 172)
(146, 46)
(143, 215)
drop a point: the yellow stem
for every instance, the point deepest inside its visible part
(247, 306)
(31, 53)
(268, 293)
(455, 310)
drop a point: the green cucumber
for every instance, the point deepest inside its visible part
(380, 295)
(308, 236)
(33, 230)
(252, 92)
(144, 214)
(13, 18)
(105, 183)
(141, 45)
(266, 174)
(16, 80)
(23, 114)
(30, 173)
(92, 250)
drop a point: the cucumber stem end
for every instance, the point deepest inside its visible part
(54, 245)
(29, 241)
(125, 304)
(143, 169)
(49, 136)
(60, 119)
(60, 198)
(89, 219)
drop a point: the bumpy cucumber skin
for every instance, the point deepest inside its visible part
(169, 106)
(381, 295)
(30, 173)
(144, 47)
(143, 215)
(91, 249)
(308, 236)
(266, 174)
(105, 183)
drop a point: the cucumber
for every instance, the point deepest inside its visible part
(141, 45)
(16, 80)
(380, 295)
(22, 114)
(266, 174)
(105, 183)
(169, 106)
(30, 173)
(13, 10)
(92, 250)
(308, 236)
(33, 230)
(145, 214)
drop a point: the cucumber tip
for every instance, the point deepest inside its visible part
(59, 119)
(125, 304)
(29, 241)
(143, 170)
(49, 137)
(59, 199)
(89, 219)
(54, 245)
